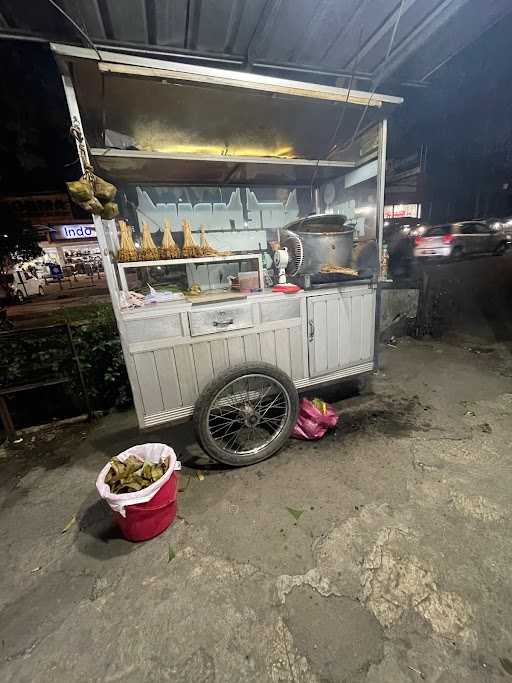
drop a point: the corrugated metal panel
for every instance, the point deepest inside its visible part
(322, 33)
(349, 49)
(227, 26)
(87, 15)
(415, 12)
(171, 21)
(333, 35)
(450, 40)
(128, 20)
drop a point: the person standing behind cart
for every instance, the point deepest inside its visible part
(365, 255)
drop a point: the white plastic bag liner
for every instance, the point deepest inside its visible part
(154, 452)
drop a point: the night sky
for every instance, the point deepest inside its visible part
(465, 118)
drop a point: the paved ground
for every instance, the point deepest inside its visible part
(397, 570)
(471, 295)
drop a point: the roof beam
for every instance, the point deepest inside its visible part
(418, 37)
(345, 28)
(154, 68)
(150, 11)
(268, 12)
(221, 159)
(192, 23)
(315, 71)
(235, 17)
(377, 36)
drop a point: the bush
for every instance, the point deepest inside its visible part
(44, 354)
(101, 357)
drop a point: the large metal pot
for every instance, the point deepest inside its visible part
(325, 248)
(325, 239)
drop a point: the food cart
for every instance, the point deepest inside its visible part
(240, 159)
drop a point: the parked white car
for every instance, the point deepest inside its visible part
(21, 285)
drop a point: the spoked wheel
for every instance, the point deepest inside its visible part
(246, 414)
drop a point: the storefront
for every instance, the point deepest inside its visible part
(405, 186)
(402, 211)
(72, 244)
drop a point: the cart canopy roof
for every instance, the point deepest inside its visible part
(168, 122)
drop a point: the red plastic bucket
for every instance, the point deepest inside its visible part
(147, 520)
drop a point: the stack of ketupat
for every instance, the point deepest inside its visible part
(134, 474)
(94, 194)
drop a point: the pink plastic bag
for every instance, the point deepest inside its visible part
(312, 423)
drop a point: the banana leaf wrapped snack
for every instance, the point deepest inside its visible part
(109, 210)
(93, 205)
(94, 194)
(80, 190)
(134, 474)
(103, 190)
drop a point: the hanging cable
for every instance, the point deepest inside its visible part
(372, 91)
(341, 116)
(76, 26)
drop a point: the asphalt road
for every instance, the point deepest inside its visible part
(472, 296)
(38, 308)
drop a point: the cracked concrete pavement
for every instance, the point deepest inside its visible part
(397, 570)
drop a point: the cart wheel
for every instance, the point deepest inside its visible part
(246, 414)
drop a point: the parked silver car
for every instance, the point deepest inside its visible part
(459, 239)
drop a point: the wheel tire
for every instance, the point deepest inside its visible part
(501, 249)
(19, 297)
(210, 392)
(41, 290)
(457, 253)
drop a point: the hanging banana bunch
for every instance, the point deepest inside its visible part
(148, 250)
(190, 246)
(207, 249)
(127, 251)
(169, 248)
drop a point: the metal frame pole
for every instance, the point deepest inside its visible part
(381, 185)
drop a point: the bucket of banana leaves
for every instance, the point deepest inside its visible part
(140, 485)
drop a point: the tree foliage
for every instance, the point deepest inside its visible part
(18, 239)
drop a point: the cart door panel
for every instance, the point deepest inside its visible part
(170, 378)
(158, 377)
(148, 383)
(340, 330)
(186, 374)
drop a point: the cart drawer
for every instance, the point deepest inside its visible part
(149, 329)
(211, 319)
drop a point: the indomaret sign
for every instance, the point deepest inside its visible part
(75, 231)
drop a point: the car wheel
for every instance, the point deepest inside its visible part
(246, 414)
(457, 253)
(501, 248)
(19, 297)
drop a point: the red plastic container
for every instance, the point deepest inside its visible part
(147, 520)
